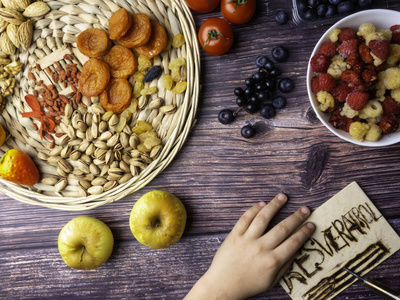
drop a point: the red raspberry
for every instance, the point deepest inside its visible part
(348, 47)
(389, 123)
(365, 54)
(369, 76)
(395, 29)
(357, 100)
(315, 84)
(326, 82)
(328, 49)
(391, 106)
(347, 34)
(340, 92)
(380, 48)
(319, 63)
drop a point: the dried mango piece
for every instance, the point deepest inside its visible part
(93, 42)
(119, 24)
(117, 96)
(94, 77)
(139, 33)
(157, 42)
(122, 61)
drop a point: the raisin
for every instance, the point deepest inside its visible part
(152, 74)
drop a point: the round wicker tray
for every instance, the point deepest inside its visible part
(60, 27)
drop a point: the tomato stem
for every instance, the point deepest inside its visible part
(213, 34)
(238, 2)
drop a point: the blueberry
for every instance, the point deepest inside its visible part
(239, 92)
(249, 82)
(345, 7)
(314, 3)
(269, 66)
(274, 72)
(258, 76)
(279, 102)
(302, 6)
(280, 53)
(331, 10)
(335, 2)
(270, 83)
(267, 111)
(281, 17)
(310, 14)
(264, 95)
(241, 101)
(247, 131)
(251, 108)
(286, 85)
(322, 10)
(260, 86)
(364, 3)
(253, 100)
(261, 60)
(226, 116)
(249, 91)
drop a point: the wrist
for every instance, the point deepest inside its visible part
(208, 287)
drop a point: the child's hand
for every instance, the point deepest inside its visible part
(251, 261)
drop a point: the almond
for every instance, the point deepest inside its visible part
(6, 45)
(25, 34)
(11, 16)
(36, 9)
(19, 5)
(12, 32)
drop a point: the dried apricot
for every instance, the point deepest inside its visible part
(117, 96)
(94, 77)
(139, 33)
(119, 24)
(122, 61)
(157, 42)
(93, 42)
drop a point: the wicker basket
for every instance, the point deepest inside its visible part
(60, 27)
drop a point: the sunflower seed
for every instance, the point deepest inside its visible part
(95, 190)
(106, 135)
(60, 185)
(49, 180)
(55, 151)
(99, 181)
(113, 140)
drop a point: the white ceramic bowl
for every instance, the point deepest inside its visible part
(382, 19)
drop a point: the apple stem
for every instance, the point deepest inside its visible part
(83, 251)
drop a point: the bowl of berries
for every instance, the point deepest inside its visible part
(353, 78)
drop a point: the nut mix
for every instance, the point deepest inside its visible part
(357, 80)
(88, 113)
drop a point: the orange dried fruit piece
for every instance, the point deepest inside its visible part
(122, 61)
(157, 42)
(94, 77)
(139, 33)
(119, 24)
(93, 42)
(117, 96)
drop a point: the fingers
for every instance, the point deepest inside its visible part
(245, 220)
(285, 228)
(289, 247)
(264, 217)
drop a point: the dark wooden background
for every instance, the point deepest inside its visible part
(217, 175)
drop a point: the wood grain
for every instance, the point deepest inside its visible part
(217, 175)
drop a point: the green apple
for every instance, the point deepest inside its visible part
(158, 219)
(85, 243)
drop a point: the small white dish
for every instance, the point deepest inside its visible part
(382, 19)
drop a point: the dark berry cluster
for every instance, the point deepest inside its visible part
(258, 93)
(313, 9)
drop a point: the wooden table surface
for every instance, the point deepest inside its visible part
(217, 175)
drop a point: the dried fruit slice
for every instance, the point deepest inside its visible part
(122, 61)
(117, 96)
(93, 42)
(156, 43)
(139, 32)
(119, 24)
(94, 77)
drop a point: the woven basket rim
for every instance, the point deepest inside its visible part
(185, 121)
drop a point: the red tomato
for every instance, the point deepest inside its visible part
(202, 5)
(216, 36)
(238, 11)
